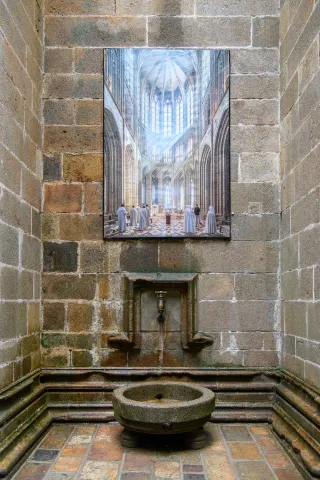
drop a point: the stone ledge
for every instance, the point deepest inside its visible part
(84, 395)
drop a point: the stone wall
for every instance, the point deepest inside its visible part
(20, 188)
(82, 281)
(300, 174)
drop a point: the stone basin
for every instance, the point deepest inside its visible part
(163, 408)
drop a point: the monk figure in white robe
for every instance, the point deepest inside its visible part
(133, 216)
(211, 224)
(143, 219)
(138, 209)
(122, 219)
(148, 215)
(189, 220)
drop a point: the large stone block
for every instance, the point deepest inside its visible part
(255, 86)
(261, 359)
(254, 112)
(198, 32)
(13, 319)
(259, 61)
(139, 256)
(62, 198)
(288, 191)
(309, 66)
(313, 321)
(289, 253)
(68, 287)
(306, 284)
(83, 168)
(252, 138)
(11, 134)
(308, 34)
(259, 167)
(289, 97)
(79, 227)
(9, 245)
(100, 257)
(89, 112)
(307, 350)
(79, 7)
(295, 318)
(31, 188)
(306, 212)
(219, 257)
(310, 246)
(290, 285)
(77, 86)
(307, 174)
(88, 60)
(51, 168)
(256, 287)
(11, 97)
(13, 35)
(60, 257)
(110, 286)
(216, 287)
(238, 7)
(255, 227)
(93, 198)
(96, 31)
(31, 253)
(244, 194)
(72, 139)
(265, 32)
(10, 170)
(155, 7)
(310, 98)
(50, 227)
(312, 374)
(236, 317)
(58, 60)
(58, 112)
(80, 317)
(53, 316)
(82, 358)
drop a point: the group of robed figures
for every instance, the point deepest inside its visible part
(139, 217)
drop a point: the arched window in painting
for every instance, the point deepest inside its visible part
(167, 156)
(179, 113)
(205, 69)
(155, 114)
(190, 145)
(167, 118)
(189, 106)
(129, 70)
(145, 108)
(168, 193)
(221, 83)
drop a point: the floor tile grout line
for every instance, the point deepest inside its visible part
(263, 454)
(231, 461)
(85, 457)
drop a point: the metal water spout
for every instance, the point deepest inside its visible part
(160, 304)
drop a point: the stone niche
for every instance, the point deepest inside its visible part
(140, 328)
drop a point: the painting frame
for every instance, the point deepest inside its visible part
(219, 234)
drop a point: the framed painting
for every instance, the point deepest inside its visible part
(166, 143)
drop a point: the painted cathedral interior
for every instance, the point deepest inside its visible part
(166, 139)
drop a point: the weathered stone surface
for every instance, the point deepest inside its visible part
(309, 66)
(79, 227)
(68, 286)
(31, 253)
(310, 246)
(99, 257)
(83, 168)
(80, 316)
(238, 7)
(72, 139)
(62, 198)
(200, 32)
(51, 168)
(256, 287)
(255, 139)
(93, 198)
(58, 112)
(255, 227)
(295, 318)
(58, 60)
(235, 317)
(89, 112)
(259, 167)
(290, 286)
(60, 257)
(88, 60)
(79, 7)
(50, 227)
(9, 245)
(53, 316)
(77, 86)
(265, 32)
(254, 112)
(306, 212)
(244, 194)
(254, 86)
(155, 7)
(289, 253)
(216, 287)
(289, 97)
(256, 61)
(96, 31)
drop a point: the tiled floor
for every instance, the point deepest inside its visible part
(158, 228)
(93, 452)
